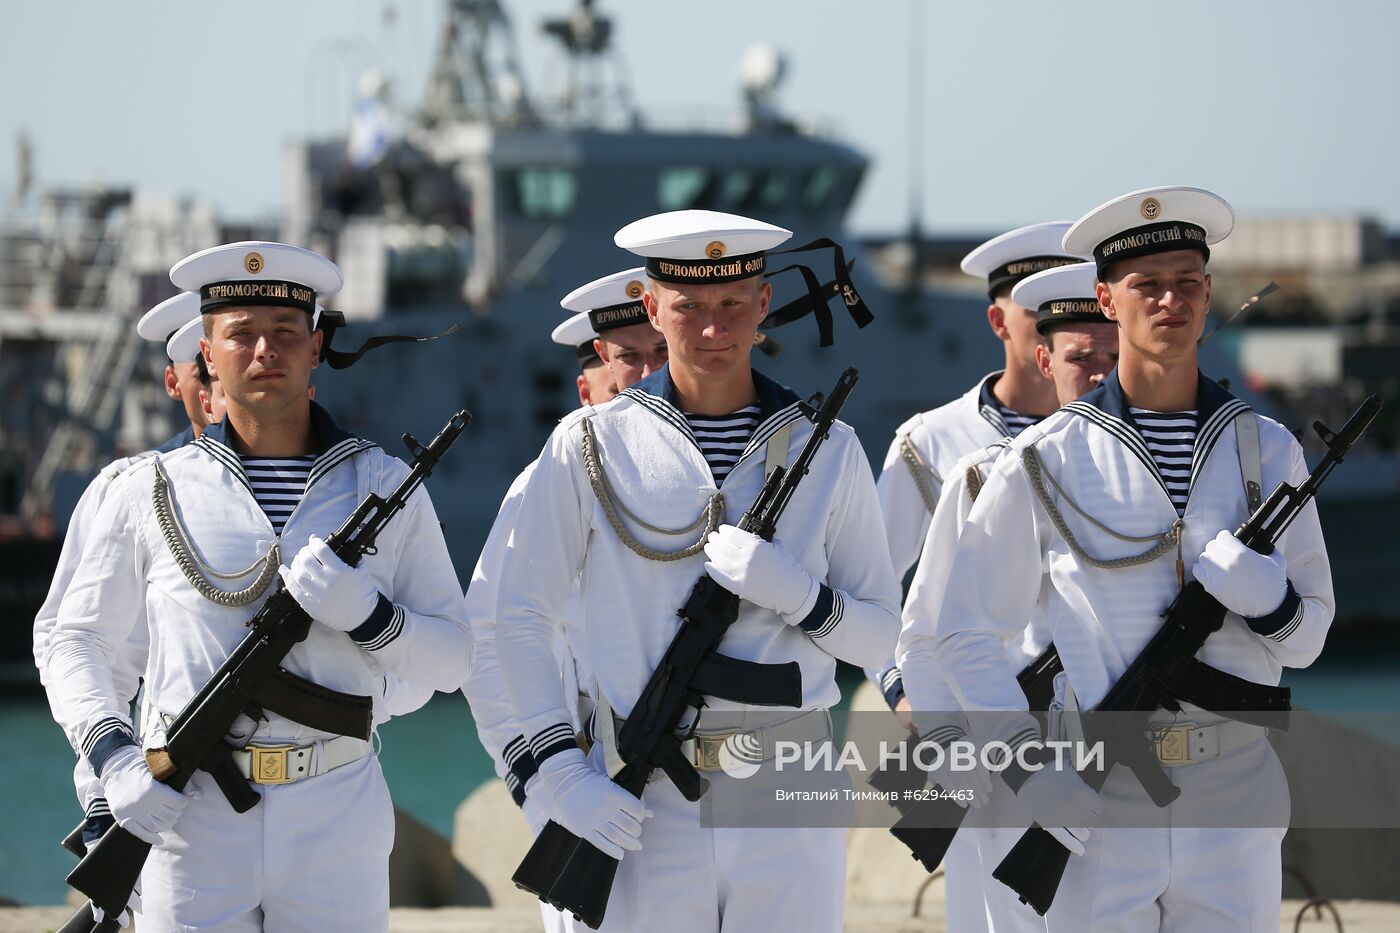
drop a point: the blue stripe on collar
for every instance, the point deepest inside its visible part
(327, 433)
(772, 397)
(1108, 398)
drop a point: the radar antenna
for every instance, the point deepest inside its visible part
(596, 83)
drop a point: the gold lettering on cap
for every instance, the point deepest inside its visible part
(1151, 208)
(634, 289)
(716, 250)
(253, 262)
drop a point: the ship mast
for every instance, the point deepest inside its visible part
(477, 76)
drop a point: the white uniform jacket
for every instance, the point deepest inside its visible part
(1010, 556)
(832, 527)
(130, 661)
(940, 437)
(496, 725)
(418, 632)
(926, 687)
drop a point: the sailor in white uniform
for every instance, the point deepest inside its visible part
(1093, 520)
(158, 325)
(927, 445)
(616, 345)
(1079, 346)
(615, 497)
(270, 480)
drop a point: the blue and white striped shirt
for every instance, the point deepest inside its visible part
(1170, 438)
(722, 438)
(278, 484)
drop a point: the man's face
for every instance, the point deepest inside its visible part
(1160, 303)
(212, 398)
(262, 356)
(709, 329)
(182, 384)
(1078, 358)
(1015, 325)
(595, 384)
(631, 353)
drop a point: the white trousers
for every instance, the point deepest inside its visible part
(994, 829)
(311, 856)
(691, 878)
(1175, 878)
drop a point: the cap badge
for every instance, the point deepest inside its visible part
(634, 289)
(1151, 208)
(253, 262)
(715, 250)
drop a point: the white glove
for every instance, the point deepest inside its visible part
(140, 804)
(959, 772)
(1246, 582)
(536, 813)
(1063, 804)
(133, 906)
(330, 590)
(761, 572)
(588, 804)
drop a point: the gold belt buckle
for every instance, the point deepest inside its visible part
(707, 748)
(268, 764)
(1173, 745)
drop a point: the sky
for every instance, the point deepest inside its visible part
(1030, 110)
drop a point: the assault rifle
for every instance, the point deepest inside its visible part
(1158, 674)
(249, 680)
(572, 874)
(927, 827)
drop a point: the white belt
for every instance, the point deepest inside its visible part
(283, 764)
(1187, 743)
(760, 745)
(1176, 744)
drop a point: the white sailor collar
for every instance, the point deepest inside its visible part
(334, 446)
(1105, 406)
(988, 406)
(777, 405)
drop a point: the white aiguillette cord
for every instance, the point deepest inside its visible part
(193, 567)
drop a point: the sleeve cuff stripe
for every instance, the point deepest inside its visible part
(382, 626)
(393, 631)
(1291, 626)
(838, 609)
(544, 743)
(1282, 622)
(1021, 738)
(514, 748)
(943, 735)
(517, 793)
(563, 745)
(100, 731)
(890, 677)
(98, 807)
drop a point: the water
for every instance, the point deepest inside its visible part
(432, 759)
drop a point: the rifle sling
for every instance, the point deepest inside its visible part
(1213, 689)
(317, 707)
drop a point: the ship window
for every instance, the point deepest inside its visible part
(541, 192)
(738, 188)
(684, 187)
(818, 186)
